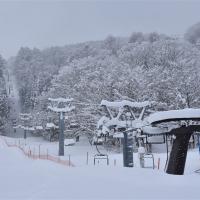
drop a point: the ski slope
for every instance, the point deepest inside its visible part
(24, 178)
(14, 103)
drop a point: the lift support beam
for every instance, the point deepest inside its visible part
(178, 155)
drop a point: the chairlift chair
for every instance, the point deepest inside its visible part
(101, 157)
(151, 157)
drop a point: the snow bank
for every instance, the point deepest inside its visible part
(23, 178)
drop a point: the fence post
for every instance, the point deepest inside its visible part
(87, 158)
(39, 151)
(34, 152)
(115, 163)
(69, 160)
(47, 154)
(158, 163)
(30, 151)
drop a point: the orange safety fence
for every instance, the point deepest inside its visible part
(33, 155)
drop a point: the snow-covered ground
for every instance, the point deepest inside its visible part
(24, 178)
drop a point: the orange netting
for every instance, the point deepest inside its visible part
(31, 154)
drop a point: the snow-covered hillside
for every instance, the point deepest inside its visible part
(105, 117)
(24, 178)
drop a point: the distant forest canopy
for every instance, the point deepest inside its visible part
(152, 67)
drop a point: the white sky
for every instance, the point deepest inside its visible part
(46, 23)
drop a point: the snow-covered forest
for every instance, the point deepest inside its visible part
(101, 118)
(153, 67)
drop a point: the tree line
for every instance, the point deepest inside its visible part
(141, 67)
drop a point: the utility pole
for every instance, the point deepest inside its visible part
(61, 106)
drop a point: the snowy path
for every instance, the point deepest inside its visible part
(14, 103)
(22, 178)
(12, 92)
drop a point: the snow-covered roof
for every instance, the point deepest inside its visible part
(18, 126)
(39, 128)
(118, 104)
(25, 127)
(69, 141)
(118, 135)
(173, 115)
(51, 125)
(30, 128)
(66, 109)
(59, 100)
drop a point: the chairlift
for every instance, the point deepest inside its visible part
(149, 156)
(101, 156)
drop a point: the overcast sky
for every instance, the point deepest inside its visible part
(46, 23)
